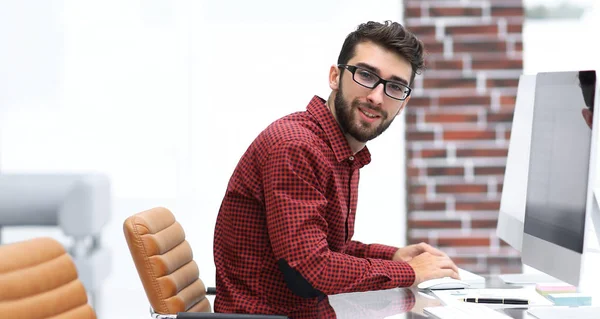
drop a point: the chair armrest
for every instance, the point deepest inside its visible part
(205, 315)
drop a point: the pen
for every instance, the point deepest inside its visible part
(506, 301)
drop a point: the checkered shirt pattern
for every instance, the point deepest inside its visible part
(292, 200)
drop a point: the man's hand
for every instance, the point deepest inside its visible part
(428, 266)
(409, 252)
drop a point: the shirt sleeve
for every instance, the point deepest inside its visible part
(358, 249)
(295, 202)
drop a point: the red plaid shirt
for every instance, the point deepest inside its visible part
(283, 234)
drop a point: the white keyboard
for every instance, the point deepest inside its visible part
(464, 310)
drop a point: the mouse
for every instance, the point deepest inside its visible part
(443, 283)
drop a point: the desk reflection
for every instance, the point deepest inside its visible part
(396, 303)
(393, 303)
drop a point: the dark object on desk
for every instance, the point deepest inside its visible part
(506, 301)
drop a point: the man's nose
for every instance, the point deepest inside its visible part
(376, 95)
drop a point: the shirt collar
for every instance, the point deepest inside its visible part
(317, 107)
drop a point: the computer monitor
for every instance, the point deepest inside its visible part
(562, 182)
(512, 203)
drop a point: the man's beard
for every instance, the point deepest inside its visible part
(347, 118)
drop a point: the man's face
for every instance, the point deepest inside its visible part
(365, 113)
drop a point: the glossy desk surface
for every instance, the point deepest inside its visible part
(400, 303)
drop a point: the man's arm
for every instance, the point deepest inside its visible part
(379, 251)
(295, 201)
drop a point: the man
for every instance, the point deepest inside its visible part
(284, 229)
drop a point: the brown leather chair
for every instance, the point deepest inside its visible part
(166, 267)
(38, 279)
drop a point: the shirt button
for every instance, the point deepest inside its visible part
(351, 158)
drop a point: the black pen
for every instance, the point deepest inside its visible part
(506, 301)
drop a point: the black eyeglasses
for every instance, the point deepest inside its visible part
(368, 79)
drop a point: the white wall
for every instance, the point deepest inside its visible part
(165, 97)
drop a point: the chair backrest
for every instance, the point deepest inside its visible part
(38, 279)
(164, 262)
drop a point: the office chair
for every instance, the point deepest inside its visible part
(78, 204)
(166, 267)
(38, 279)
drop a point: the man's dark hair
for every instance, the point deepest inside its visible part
(587, 81)
(390, 35)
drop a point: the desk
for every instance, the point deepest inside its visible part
(403, 303)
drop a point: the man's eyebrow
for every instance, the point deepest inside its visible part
(376, 70)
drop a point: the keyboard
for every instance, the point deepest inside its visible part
(565, 313)
(470, 277)
(464, 310)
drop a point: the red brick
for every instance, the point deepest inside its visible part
(479, 47)
(419, 136)
(433, 153)
(500, 117)
(507, 135)
(412, 12)
(427, 206)
(454, 12)
(451, 118)
(482, 152)
(411, 118)
(515, 28)
(489, 170)
(421, 224)
(445, 171)
(519, 46)
(478, 205)
(463, 241)
(500, 188)
(465, 100)
(418, 190)
(419, 101)
(469, 135)
(507, 11)
(461, 188)
(508, 100)
(483, 223)
(423, 30)
(495, 83)
(434, 47)
(507, 108)
(443, 64)
(497, 64)
(432, 83)
(491, 29)
(412, 171)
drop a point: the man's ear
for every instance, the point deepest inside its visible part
(334, 77)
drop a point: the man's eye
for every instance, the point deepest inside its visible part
(395, 87)
(365, 75)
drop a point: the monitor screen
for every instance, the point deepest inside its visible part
(559, 158)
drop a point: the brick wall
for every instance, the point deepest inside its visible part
(458, 127)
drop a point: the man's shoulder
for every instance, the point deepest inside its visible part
(299, 126)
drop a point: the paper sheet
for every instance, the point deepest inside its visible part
(448, 297)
